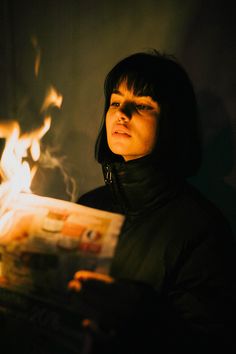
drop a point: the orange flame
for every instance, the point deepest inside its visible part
(37, 49)
(15, 172)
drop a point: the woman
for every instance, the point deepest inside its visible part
(172, 280)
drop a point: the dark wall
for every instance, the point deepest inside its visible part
(81, 40)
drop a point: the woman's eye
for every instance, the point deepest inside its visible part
(143, 107)
(114, 104)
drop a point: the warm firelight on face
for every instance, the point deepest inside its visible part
(16, 173)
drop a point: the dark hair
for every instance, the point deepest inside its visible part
(163, 78)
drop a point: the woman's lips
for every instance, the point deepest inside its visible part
(120, 131)
(119, 134)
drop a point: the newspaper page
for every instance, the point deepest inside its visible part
(44, 241)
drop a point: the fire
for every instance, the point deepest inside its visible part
(18, 163)
(37, 49)
(16, 172)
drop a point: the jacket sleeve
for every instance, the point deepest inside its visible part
(200, 293)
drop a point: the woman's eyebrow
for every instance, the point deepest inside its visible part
(117, 92)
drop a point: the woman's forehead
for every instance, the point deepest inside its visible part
(136, 87)
(123, 88)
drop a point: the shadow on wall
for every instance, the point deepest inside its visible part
(218, 159)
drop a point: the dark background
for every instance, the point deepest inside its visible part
(80, 41)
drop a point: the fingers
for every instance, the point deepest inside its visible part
(74, 285)
(94, 328)
(87, 275)
(83, 275)
(88, 323)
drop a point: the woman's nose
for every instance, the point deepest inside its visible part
(125, 112)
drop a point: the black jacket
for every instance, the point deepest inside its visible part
(179, 243)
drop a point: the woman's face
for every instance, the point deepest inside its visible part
(131, 123)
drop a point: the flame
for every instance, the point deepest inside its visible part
(18, 163)
(37, 49)
(5, 222)
(52, 98)
(16, 173)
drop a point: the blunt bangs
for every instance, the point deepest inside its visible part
(135, 82)
(139, 72)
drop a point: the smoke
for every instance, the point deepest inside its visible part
(49, 160)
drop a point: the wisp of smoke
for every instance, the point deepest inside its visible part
(49, 160)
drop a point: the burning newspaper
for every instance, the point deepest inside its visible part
(44, 241)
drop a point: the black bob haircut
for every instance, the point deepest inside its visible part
(177, 150)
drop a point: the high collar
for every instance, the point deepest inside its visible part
(138, 186)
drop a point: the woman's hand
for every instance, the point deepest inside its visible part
(114, 310)
(85, 275)
(112, 303)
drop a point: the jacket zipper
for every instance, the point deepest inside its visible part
(110, 180)
(108, 174)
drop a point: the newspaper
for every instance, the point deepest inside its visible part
(44, 241)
